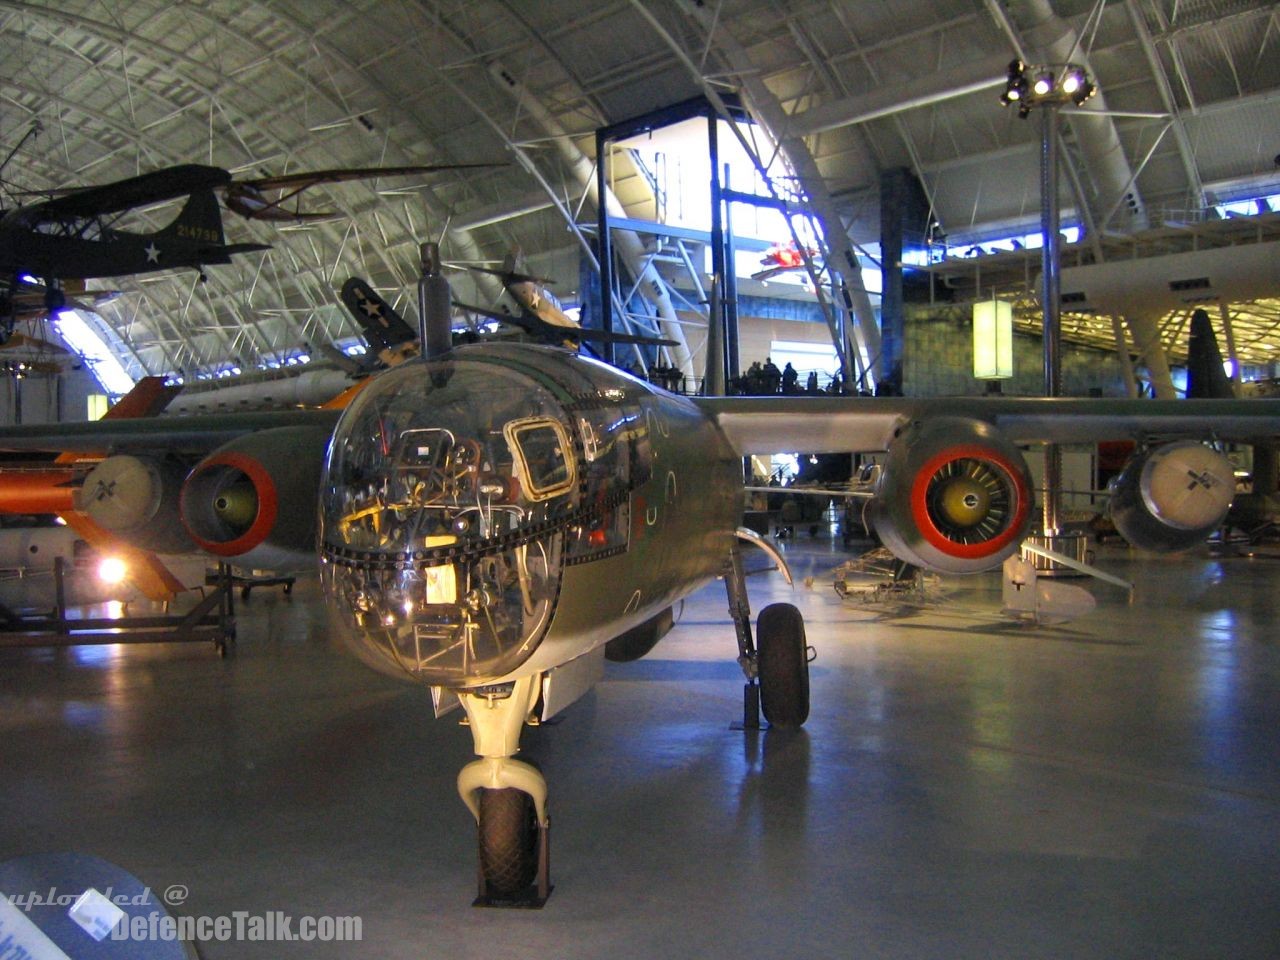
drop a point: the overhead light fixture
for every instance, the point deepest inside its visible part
(1015, 87)
(1047, 84)
(1085, 91)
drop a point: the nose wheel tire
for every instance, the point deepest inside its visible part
(783, 660)
(508, 832)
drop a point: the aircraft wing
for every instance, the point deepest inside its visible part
(137, 191)
(243, 467)
(246, 197)
(536, 326)
(313, 178)
(188, 435)
(760, 425)
(241, 487)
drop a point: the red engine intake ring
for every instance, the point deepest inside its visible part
(268, 504)
(936, 538)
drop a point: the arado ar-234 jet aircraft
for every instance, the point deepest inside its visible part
(496, 519)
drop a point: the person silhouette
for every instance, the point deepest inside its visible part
(790, 379)
(772, 376)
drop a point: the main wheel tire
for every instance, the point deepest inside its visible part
(508, 840)
(783, 659)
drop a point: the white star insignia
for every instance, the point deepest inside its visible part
(152, 252)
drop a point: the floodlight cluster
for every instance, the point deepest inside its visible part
(1058, 84)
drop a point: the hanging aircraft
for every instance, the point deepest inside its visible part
(76, 234)
(389, 337)
(786, 257)
(542, 315)
(494, 520)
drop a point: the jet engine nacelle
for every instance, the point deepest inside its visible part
(136, 498)
(253, 501)
(954, 496)
(1173, 496)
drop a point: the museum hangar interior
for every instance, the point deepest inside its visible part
(667, 245)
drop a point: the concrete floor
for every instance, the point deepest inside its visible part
(966, 786)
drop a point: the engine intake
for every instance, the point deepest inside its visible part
(954, 496)
(254, 499)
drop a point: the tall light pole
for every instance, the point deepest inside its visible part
(1048, 88)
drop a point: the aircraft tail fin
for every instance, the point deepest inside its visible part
(200, 220)
(383, 328)
(149, 397)
(345, 397)
(1206, 377)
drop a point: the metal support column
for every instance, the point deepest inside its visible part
(1051, 302)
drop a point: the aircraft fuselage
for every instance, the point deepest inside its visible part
(501, 511)
(81, 244)
(116, 254)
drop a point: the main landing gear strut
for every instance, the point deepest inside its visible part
(776, 663)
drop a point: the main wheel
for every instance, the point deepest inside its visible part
(783, 659)
(508, 840)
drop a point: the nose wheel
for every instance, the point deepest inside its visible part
(509, 843)
(508, 799)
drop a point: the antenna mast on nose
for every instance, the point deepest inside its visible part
(434, 305)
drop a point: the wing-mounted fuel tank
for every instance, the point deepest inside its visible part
(253, 500)
(1172, 496)
(954, 496)
(137, 498)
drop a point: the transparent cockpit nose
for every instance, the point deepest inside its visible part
(443, 505)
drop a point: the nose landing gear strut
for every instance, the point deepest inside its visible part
(507, 797)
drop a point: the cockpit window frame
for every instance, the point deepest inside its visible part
(531, 490)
